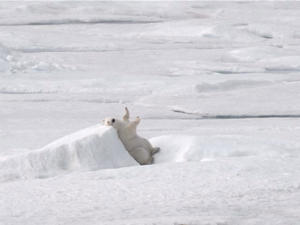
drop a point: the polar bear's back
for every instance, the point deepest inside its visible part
(137, 142)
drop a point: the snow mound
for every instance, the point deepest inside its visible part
(180, 148)
(93, 148)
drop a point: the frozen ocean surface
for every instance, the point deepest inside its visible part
(217, 87)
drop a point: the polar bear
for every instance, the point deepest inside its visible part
(139, 148)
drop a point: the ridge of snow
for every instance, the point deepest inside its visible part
(93, 148)
(184, 148)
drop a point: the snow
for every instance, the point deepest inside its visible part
(216, 85)
(227, 191)
(180, 148)
(89, 149)
(5, 58)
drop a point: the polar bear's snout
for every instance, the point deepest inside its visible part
(113, 120)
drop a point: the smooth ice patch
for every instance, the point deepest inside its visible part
(259, 53)
(230, 85)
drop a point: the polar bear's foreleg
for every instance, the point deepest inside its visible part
(126, 115)
(142, 156)
(136, 122)
(133, 124)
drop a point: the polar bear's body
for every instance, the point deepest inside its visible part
(139, 148)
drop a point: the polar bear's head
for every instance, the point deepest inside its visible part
(112, 122)
(109, 121)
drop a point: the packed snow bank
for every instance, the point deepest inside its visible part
(181, 148)
(94, 148)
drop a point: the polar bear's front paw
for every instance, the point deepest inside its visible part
(126, 112)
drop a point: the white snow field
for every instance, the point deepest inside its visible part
(217, 87)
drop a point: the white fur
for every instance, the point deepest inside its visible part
(139, 148)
